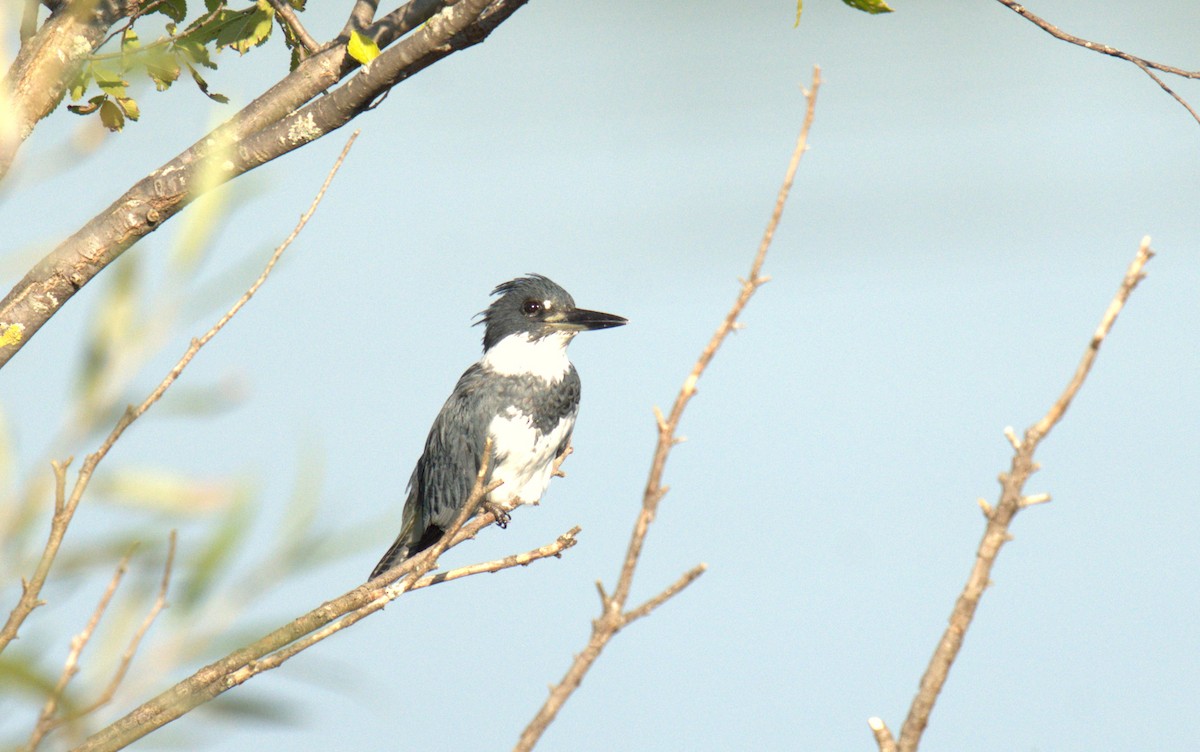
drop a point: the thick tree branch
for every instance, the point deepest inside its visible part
(268, 128)
(64, 507)
(46, 62)
(613, 614)
(996, 533)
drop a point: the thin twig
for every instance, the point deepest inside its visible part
(555, 549)
(160, 602)
(999, 517)
(1104, 49)
(65, 511)
(1146, 69)
(883, 735)
(613, 616)
(283, 9)
(646, 608)
(71, 665)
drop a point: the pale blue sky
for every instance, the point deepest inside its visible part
(974, 192)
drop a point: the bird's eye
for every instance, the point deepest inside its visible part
(531, 307)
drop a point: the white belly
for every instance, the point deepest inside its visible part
(526, 459)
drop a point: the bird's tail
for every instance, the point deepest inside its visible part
(408, 544)
(402, 548)
(396, 554)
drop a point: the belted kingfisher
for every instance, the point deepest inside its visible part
(523, 393)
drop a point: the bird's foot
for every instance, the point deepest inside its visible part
(499, 512)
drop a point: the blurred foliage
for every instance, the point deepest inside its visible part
(142, 319)
(105, 79)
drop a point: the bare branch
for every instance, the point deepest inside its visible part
(288, 16)
(687, 578)
(1146, 69)
(160, 602)
(1012, 500)
(555, 549)
(45, 721)
(402, 20)
(1104, 49)
(65, 510)
(613, 616)
(883, 735)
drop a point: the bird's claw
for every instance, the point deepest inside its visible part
(499, 512)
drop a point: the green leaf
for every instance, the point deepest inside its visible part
(162, 67)
(111, 115)
(248, 28)
(130, 107)
(200, 82)
(362, 48)
(129, 41)
(869, 6)
(196, 52)
(109, 80)
(87, 109)
(78, 85)
(7, 459)
(799, 10)
(22, 674)
(176, 10)
(112, 328)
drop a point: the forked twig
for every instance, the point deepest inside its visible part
(1147, 66)
(613, 614)
(996, 532)
(47, 722)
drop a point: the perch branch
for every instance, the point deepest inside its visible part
(273, 649)
(613, 614)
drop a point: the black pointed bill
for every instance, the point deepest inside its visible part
(580, 319)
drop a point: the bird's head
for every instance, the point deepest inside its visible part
(536, 307)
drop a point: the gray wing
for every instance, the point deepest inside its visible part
(446, 472)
